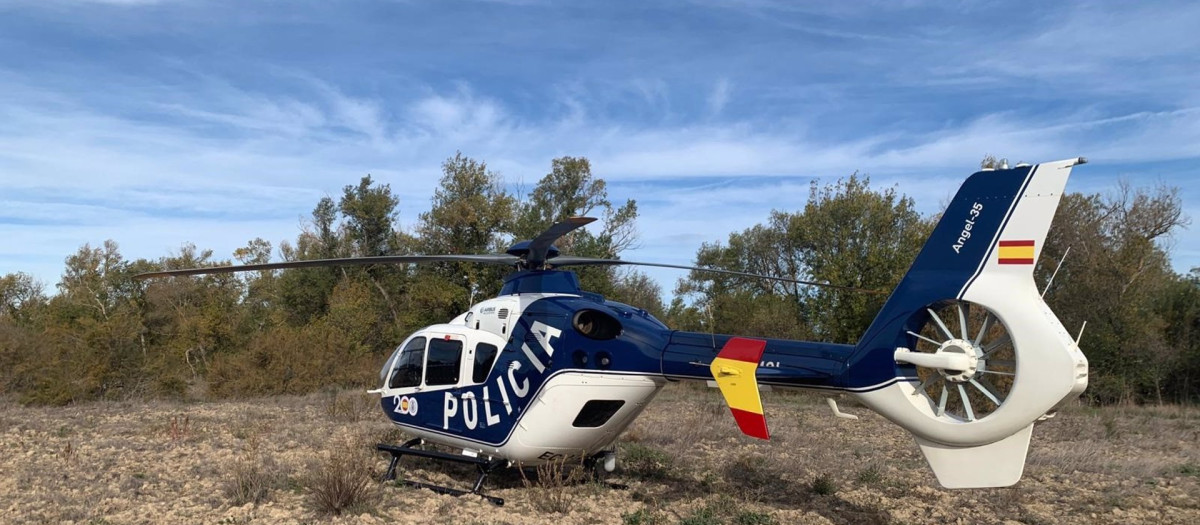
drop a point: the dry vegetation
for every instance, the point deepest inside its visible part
(308, 460)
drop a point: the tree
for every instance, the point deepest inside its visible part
(851, 235)
(470, 214)
(304, 292)
(1118, 279)
(639, 290)
(570, 190)
(370, 212)
(20, 294)
(470, 210)
(847, 234)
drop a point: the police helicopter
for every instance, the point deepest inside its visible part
(964, 354)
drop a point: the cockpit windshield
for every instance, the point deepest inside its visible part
(407, 371)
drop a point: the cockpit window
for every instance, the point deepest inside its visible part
(445, 356)
(407, 372)
(485, 356)
(387, 366)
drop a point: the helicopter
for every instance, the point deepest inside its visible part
(965, 354)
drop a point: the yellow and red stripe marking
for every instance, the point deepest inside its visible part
(734, 370)
(1015, 252)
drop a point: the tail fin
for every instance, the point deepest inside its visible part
(734, 371)
(965, 354)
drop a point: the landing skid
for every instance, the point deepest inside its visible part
(485, 467)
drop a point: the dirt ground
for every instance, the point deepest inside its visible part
(278, 460)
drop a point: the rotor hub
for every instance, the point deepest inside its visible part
(962, 347)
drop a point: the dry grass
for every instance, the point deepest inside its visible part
(350, 407)
(273, 460)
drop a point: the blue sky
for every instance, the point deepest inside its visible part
(160, 122)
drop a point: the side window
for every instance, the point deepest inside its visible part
(485, 355)
(445, 356)
(408, 368)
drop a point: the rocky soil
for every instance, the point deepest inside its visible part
(272, 460)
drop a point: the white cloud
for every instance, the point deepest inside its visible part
(719, 96)
(225, 155)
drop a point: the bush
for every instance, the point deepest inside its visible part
(752, 476)
(646, 462)
(550, 492)
(342, 481)
(870, 475)
(702, 516)
(750, 517)
(823, 485)
(250, 480)
(644, 516)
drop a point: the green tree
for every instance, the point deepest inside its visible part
(370, 213)
(304, 292)
(848, 234)
(570, 190)
(637, 289)
(20, 295)
(1118, 279)
(852, 235)
(470, 214)
(89, 346)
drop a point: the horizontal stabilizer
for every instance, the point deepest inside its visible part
(998, 464)
(734, 370)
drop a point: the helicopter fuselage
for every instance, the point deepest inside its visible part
(537, 376)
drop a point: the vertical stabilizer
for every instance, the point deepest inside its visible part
(965, 354)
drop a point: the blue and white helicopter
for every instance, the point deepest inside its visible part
(965, 354)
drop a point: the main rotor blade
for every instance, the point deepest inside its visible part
(540, 245)
(589, 261)
(507, 260)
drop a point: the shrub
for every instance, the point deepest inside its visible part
(644, 516)
(646, 462)
(870, 475)
(750, 517)
(342, 481)
(253, 474)
(701, 516)
(250, 480)
(752, 476)
(823, 485)
(550, 491)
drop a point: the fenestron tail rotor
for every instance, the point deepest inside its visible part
(965, 359)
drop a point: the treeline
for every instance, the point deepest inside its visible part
(105, 335)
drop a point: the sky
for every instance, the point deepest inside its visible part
(157, 123)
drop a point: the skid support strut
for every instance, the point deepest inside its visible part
(485, 467)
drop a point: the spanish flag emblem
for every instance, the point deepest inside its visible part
(1016, 252)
